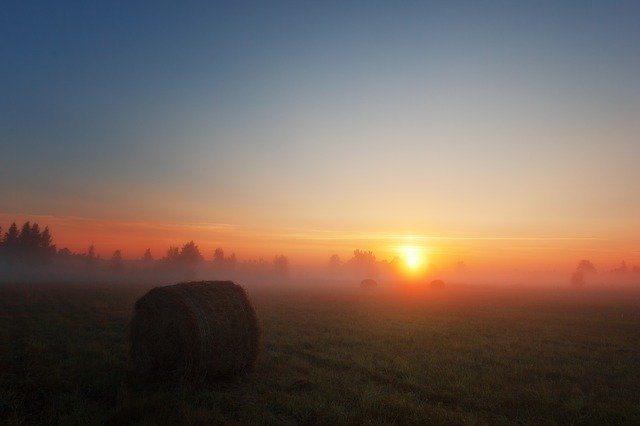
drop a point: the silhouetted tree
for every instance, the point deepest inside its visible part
(584, 268)
(190, 254)
(257, 265)
(46, 239)
(147, 258)
(116, 262)
(218, 257)
(185, 260)
(64, 252)
(232, 261)
(173, 255)
(334, 262)
(363, 257)
(11, 237)
(28, 245)
(91, 256)
(622, 269)
(363, 262)
(221, 262)
(25, 239)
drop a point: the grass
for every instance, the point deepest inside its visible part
(336, 354)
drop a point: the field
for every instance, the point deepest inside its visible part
(332, 353)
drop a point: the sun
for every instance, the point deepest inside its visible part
(413, 258)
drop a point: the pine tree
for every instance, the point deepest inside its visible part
(11, 237)
(117, 264)
(91, 256)
(147, 257)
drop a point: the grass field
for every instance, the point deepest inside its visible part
(335, 354)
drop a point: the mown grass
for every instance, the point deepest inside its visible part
(335, 354)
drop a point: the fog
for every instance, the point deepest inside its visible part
(84, 269)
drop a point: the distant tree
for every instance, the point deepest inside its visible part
(259, 263)
(11, 237)
(26, 237)
(363, 257)
(147, 260)
(10, 247)
(190, 254)
(222, 262)
(622, 269)
(64, 252)
(46, 239)
(281, 265)
(363, 262)
(27, 245)
(184, 260)
(218, 258)
(586, 266)
(147, 257)
(91, 256)
(173, 254)
(116, 262)
(334, 262)
(460, 267)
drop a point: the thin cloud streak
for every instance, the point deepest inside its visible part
(377, 236)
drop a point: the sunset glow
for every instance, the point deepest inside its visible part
(465, 131)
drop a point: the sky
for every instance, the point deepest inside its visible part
(490, 132)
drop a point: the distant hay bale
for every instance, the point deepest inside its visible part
(368, 284)
(437, 284)
(194, 331)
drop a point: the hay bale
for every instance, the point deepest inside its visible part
(194, 331)
(368, 284)
(437, 284)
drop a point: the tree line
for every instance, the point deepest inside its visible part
(29, 246)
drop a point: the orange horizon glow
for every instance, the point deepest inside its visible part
(420, 253)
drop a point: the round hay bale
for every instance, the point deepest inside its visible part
(368, 284)
(194, 331)
(437, 284)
